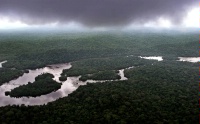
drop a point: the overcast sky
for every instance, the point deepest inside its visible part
(99, 13)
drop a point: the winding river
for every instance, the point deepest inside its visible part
(68, 86)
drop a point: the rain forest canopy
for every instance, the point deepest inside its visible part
(99, 61)
(155, 92)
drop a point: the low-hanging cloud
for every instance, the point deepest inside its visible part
(95, 13)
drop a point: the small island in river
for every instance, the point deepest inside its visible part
(43, 84)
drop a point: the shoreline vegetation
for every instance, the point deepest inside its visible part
(42, 85)
(155, 92)
(151, 94)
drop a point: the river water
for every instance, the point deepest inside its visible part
(68, 86)
(158, 58)
(2, 63)
(183, 59)
(189, 59)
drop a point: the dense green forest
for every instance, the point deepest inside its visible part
(103, 75)
(43, 84)
(7, 74)
(94, 65)
(63, 78)
(32, 49)
(35, 49)
(155, 92)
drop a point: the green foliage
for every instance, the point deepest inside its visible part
(30, 50)
(43, 84)
(103, 75)
(90, 66)
(9, 74)
(165, 92)
(63, 78)
(44, 76)
(153, 94)
(7, 93)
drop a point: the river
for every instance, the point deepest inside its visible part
(2, 63)
(189, 59)
(68, 86)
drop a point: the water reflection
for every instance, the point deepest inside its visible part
(159, 58)
(121, 74)
(68, 86)
(189, 59)
(2, 63)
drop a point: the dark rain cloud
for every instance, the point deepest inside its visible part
(95, 12)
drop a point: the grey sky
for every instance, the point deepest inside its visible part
(95, 13)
